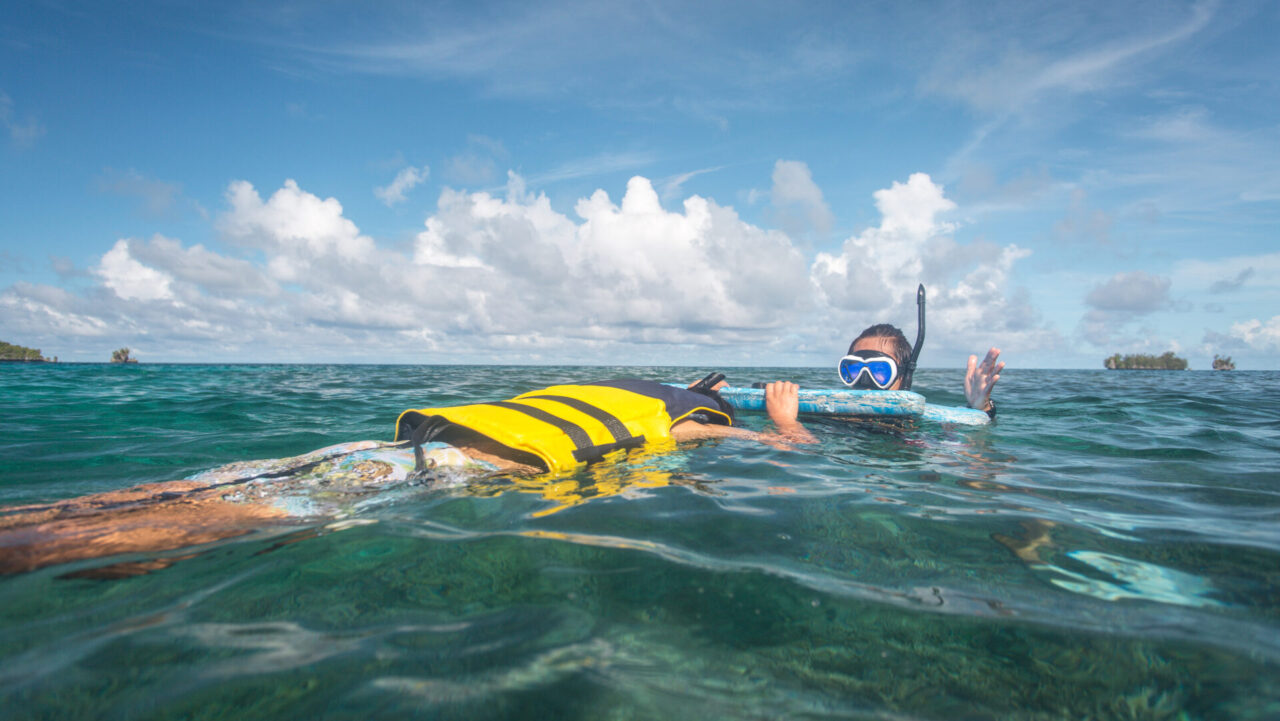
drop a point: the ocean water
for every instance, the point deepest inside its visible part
(1110, 549)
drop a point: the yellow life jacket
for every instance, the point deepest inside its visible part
(566, 425)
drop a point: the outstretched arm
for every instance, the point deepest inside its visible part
(782, 401)
(980, 378)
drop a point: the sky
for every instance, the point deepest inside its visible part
(639, 183)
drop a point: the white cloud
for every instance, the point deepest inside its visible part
(798, 199)
(1122, 301)
(971, 300)
(129, 279)
(629, 271)
(888, 256)
(295, 227)
(1258, 335)
(47, 313)
(1137, 292)
(512, 278)
(404, 181)
(913, 208)
(203, 268)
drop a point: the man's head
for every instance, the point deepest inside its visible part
(886, 339)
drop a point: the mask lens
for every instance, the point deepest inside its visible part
(881, 372)
(849, 370)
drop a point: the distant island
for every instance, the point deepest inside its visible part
(1167, 361)
(121, 355)
(1223, 364)
(19, 354)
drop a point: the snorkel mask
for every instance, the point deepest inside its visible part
(868, 370)
(874, 370)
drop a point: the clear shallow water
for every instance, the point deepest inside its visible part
(1110, 549)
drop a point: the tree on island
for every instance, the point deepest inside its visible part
(10, 352)
(122, 356)
(1223, 364)
(1167, 361)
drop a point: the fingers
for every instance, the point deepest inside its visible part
(988, 363)
(995, 376)
(780, 390)
(782, 400)
(991, 383)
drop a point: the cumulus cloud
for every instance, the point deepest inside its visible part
(798, 199)
(47, 313)
(129, 279)
(198, 266)
(891, 255)
(1258, 335)
(405, 180)
(1249, 335)
(972, 301)
(509, 277)
(629, 271)
(1118, 302)
(294, 227)
(1136, 292)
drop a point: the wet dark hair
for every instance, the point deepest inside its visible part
(901, 348)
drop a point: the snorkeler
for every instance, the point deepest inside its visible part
(880, 358)
(557, 428)
(546, 431)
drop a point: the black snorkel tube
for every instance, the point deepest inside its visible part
(909, 368)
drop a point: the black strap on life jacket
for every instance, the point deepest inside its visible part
(705, 387)
(584, 450)
(425, 433)
(608, 420)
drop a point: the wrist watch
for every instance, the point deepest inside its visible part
(991, 409)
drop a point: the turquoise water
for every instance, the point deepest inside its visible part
(1110, 549)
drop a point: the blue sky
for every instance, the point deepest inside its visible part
(635, 183)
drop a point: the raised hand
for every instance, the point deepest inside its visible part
(980, 378)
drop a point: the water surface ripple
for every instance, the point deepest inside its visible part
(1109, 549)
